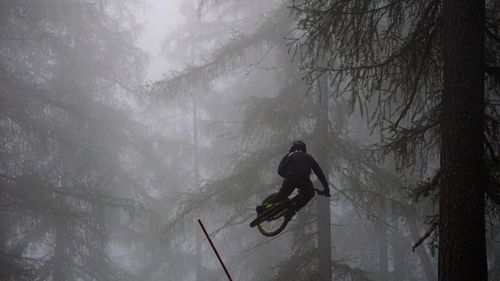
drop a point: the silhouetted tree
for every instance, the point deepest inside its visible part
(416, 68)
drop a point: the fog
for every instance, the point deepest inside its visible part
(126, 122)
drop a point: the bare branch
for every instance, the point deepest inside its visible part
(428, 233)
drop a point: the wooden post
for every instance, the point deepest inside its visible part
(215, 250)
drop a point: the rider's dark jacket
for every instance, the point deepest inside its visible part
(298, 165)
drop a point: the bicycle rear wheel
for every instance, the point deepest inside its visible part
(272, 227)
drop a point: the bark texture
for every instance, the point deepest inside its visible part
(462, 253)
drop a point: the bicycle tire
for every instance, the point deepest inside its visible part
(263, 216)
(283, 205)
(272, 227)
(272, 221)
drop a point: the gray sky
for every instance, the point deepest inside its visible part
(158, 18)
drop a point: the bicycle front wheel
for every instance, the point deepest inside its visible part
(272, 227)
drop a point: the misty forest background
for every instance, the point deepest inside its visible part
(104, 171)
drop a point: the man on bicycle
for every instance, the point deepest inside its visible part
(295, 168)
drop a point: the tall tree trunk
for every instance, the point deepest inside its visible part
(60, 250)
(462, 250)
(381, 231)
(196, 175)
(398, 250)
(324, 228)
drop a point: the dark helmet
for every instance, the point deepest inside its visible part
(298, 145)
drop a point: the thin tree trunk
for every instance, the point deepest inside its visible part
(462, 250)
(398, 250)
(324, 227)
(196, 159)
(381, 231)
(60, 256)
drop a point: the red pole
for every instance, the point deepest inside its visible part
(215, 250)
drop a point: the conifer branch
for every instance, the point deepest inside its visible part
(428, 233)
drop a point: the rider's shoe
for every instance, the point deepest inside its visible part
(289, 214)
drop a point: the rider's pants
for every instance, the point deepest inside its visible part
(305, 187)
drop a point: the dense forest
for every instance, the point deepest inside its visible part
(105, 169)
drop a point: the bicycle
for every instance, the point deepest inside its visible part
(272, 220)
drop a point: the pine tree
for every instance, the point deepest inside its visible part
(62, 178)
(414, 66)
